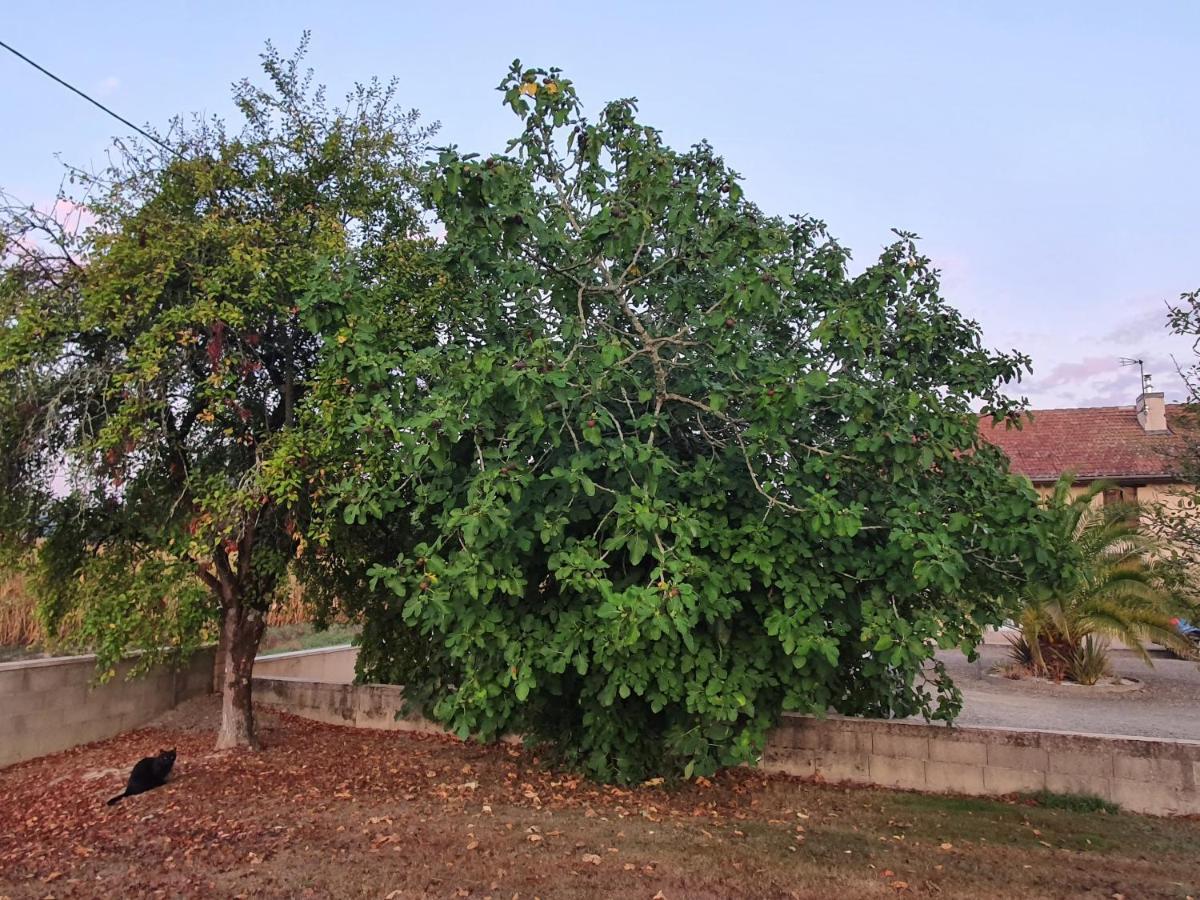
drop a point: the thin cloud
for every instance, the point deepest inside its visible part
(108, 86)
(1150, 323)
(1084, 371)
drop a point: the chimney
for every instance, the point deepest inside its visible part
(1152, 413)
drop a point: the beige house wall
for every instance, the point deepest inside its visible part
(1170, 495)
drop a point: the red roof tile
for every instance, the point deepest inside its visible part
(1095, 442)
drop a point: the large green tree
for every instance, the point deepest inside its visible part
(156, 360)
(671, 467)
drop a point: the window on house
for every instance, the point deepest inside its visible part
(1120, 495)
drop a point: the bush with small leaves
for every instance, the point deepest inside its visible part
(671, 468)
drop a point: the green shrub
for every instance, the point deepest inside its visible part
(1089, 662)
(1118, 589)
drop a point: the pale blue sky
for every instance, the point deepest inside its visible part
(1047, 153)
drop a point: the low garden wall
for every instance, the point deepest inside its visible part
(1140, 774)
(377, 706)
(1158, 777)
(334, 665)
(47, 705)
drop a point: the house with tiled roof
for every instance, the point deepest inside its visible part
(1129, 446)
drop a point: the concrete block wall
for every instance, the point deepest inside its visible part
(333, 665)
(376, 706)
(1159, 777)
(47, 705)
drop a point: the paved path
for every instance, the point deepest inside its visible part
(1167, 707)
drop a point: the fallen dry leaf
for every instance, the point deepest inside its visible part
(593, 858)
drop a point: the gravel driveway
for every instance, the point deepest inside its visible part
(1167, 707)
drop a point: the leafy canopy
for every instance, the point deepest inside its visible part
(671, 468)
(154, 361)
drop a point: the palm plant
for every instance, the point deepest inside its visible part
(1116, 591)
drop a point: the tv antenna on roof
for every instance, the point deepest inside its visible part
(1145, 379)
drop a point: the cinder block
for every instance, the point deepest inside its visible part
(1156, 799)
(1002, 780)
(854, 767)
(84, 671)
(95, 706)
(801, 767)
(790, 761)
(825, 734)
(1150, 769)
(786, 734)
(14, 681)
(807, 736)
(1064, 783)
(1009, 756)
(964, 752)
(844, 740)
(1092, 765)
(49, 678)
(18, 747)
(953, 778)
(898, 772)
(900, 745)
(44, 702)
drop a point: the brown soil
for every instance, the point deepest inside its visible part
(325, 811)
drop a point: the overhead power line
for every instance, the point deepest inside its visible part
(94, 102)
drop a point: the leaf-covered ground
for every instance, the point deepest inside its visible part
(326, 811)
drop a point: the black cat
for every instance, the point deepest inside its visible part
(148, 774)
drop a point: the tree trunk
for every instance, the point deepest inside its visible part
(222, 657)
(242, 632)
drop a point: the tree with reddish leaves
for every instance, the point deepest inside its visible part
(156, 358)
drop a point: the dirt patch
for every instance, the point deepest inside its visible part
(203, 714)
(327, 811)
